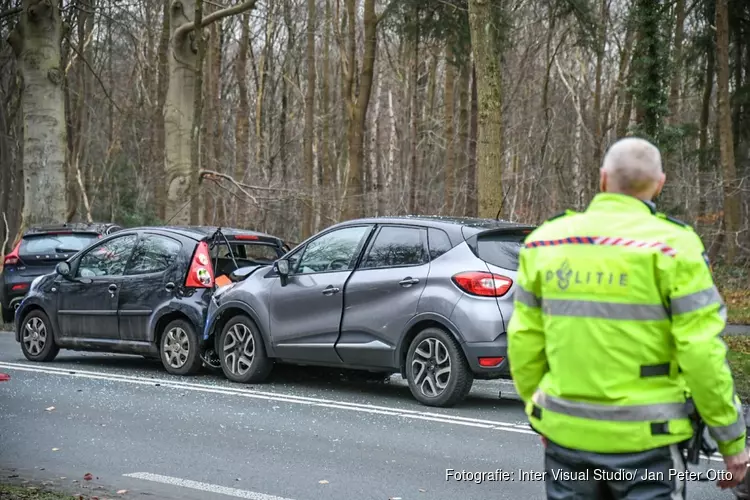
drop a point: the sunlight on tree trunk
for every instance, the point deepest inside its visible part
(36, 42)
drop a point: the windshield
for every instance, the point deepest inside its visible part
(55, 243)
(500, 250)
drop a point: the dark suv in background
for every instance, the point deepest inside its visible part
(429, 297)
(38, 252)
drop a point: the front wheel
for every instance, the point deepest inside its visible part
(436, 369)
(37, 341)
(179, 348)
(242, 352)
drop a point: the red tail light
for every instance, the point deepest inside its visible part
(483, 284)
(12, 258)
(201, 273)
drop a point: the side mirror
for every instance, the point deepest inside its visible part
(63, 269)
(282, 267)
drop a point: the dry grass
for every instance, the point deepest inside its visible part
(739, 361)
(8, 492)
(734, 284)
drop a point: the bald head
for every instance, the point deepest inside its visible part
(632, 166)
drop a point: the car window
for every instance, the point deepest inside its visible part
(438, 241)
(108, 258)
(154, 254)
(500, 250)
(396, 246)
(55, 243)
(334, 251)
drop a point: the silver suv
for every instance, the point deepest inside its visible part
(429, 297)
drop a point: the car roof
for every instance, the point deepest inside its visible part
(82, 227)
(200, 232)
(441, 221)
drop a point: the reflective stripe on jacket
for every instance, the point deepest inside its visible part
(616, 323)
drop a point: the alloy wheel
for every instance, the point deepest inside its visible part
(35, 335)
(177, 347)
(431, 367)
(239, 349)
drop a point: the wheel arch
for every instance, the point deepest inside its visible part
(165, 319)
(231, 310)
(418, 324)
(27, 309)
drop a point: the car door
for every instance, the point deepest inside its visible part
(87, 303)
(382, 295)
(150, 280)
(305, 314)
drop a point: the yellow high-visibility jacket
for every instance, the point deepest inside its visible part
(616, 324)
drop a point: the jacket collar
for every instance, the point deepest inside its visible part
(614, 202)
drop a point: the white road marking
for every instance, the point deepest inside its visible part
(288, 398)
(285, 398)
(195, 485)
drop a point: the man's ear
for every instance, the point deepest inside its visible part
(602, 180)
(659, 188)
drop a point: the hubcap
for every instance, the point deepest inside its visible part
(176, 347)
(34, 336)
(239, 349)
(431, 367)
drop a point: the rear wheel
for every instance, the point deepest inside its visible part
(242, 352)
(179, 348)
(37, 341)
(436, 369)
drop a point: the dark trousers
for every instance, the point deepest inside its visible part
(581, 475)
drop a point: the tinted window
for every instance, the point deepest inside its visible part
(154, 254)
(439, 242)
(500, 250)
(396, 246)
(107, 259)
(334, 251)
(55, 243)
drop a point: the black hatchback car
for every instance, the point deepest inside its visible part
(139, 291)
(38, 252)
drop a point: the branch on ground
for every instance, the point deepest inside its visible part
(186, 28)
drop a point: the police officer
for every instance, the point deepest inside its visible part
(617, 320)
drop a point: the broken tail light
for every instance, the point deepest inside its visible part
(201, 273)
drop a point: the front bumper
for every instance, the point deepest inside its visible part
(488, 360)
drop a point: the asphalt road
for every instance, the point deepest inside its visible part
(306, 435)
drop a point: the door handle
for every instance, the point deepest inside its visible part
(409, 281)
(330, 290)
(112, 288)
(169, 286)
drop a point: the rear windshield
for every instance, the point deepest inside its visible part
(247, 251)
(500, 250)
(55, 243)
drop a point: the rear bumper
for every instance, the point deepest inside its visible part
(490, 352)
(13, 288)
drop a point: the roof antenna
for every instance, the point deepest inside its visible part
(502, 203)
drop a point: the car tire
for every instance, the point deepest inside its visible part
(179, 348)
(37, 338)
(241, 340)
(430, 353)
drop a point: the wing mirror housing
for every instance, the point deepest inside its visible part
(63, 269)
(281, 266)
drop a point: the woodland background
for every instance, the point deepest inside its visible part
(287, 116)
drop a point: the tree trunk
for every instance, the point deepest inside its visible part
(471, 171)
(461, 162)
(163, 81)
(674, 87)
(309, 134)
(726, 142)
(36, 42)
(704, 155)
(600, 52)
(486, 52)
(242, 125)
(327, 181)
(357, 107)
(450, 165)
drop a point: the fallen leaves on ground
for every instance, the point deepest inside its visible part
(88, 476)
(51, 408)
(121, 492)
